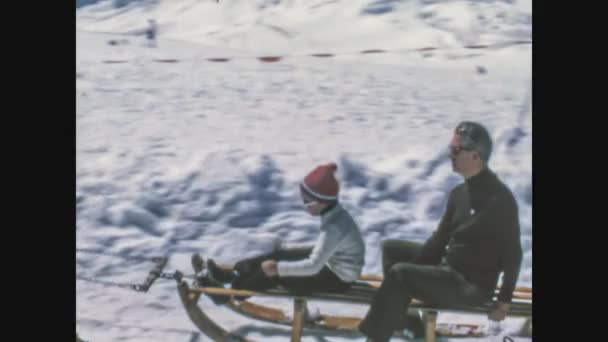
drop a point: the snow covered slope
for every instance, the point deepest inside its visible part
(174, 158)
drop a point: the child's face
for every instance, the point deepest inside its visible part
(313, 206)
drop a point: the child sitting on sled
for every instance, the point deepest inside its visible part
(334, 263)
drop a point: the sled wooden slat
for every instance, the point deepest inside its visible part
(430, 324)
(379, 278)
(359, 293)
(259, 311)
(299, 305)
(527, 295)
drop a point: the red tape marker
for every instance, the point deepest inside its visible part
(269, 59)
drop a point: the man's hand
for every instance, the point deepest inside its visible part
(269, 267)
(499, 312)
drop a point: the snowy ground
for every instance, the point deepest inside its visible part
(174, 158)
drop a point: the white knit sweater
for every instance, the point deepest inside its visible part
(340, 246)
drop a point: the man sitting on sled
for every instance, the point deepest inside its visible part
(459, 265)
(334, 263)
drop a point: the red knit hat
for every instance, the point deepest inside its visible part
(321, 183)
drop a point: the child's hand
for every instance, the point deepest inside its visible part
(269, 267)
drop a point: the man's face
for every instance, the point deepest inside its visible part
(313, 206)
(462, 160)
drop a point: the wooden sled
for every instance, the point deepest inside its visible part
(337, 323)
(361, 293)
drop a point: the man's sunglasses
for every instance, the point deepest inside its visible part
(454, 150)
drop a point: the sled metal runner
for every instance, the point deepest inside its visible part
(361, 293)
